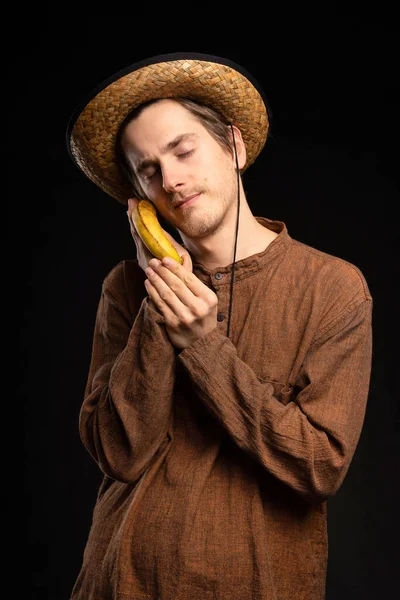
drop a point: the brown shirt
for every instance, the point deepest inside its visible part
(218, 460)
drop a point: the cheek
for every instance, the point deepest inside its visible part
(219, 174)
(162, 203)
(221, 164)
(154, 191)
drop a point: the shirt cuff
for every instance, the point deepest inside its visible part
(150, 313)
(202, 346)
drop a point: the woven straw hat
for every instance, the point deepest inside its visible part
(214, 81)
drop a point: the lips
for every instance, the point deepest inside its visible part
(187, 199)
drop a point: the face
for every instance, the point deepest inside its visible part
(182, 169)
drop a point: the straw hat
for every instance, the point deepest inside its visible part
(214, 81)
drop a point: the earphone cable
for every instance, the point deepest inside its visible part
(236, 237)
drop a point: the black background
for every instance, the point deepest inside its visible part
(329, 171)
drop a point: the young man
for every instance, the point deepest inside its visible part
(226, 395)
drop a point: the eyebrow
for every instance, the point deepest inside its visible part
(167, 148)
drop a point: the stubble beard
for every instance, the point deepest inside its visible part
(199, 221)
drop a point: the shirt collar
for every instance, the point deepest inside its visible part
(251, 264)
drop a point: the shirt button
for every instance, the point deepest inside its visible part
(218, 275)
(220, 316)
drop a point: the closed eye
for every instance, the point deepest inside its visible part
(185, 154)
(152, 169)
(150, 175)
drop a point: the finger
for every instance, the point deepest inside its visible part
(187, 261)
(132, 203)
(158, 298)
(177, 295)
(141, 247)
(197, 287)
(170, 288)
(134, 230)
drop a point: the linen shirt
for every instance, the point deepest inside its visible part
(218, 460)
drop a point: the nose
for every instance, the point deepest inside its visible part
(172, 178)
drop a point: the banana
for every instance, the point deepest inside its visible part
(144, 218)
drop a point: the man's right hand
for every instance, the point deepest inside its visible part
(143, 253)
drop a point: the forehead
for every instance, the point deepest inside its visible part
(163, 107)
(159, 123)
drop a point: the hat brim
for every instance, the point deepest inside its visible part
(214, 81)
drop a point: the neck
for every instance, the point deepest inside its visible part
(217, 249)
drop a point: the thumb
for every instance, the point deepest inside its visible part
(181, 250)
(187, 261)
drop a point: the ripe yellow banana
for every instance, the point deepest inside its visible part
(144, 218)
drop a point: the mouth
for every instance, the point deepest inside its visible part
(187, 201)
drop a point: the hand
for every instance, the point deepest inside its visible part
(143, 253)
(188, 306)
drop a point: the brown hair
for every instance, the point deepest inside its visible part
(213, 122)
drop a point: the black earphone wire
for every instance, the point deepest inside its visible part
(236, 237)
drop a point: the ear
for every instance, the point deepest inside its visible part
(240, 146)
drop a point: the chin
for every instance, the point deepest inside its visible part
(197, 229)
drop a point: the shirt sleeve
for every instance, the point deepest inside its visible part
(309, 442)
(125, 416)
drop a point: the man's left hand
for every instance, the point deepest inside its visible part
(188, 306)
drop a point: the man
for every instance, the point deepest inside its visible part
(225, 396)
